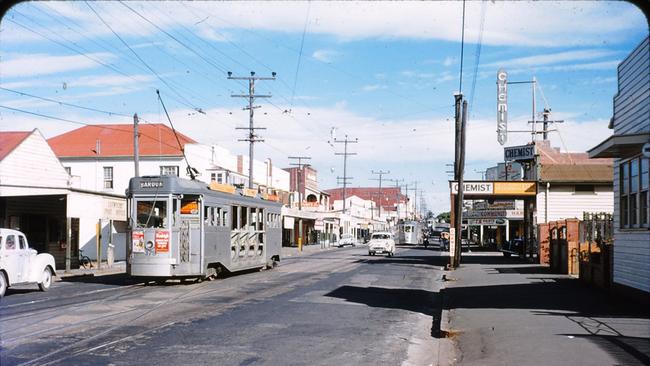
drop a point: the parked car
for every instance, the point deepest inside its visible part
(381, 242)
(514, 246)
(20, 264)
(347, 239)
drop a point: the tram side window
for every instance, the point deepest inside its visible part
(224, 217)
(243, 217)
(152, 214)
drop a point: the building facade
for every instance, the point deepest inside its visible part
(629, 145)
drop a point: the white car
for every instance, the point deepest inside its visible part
(19, 264)
(381, 242)
(347, 239)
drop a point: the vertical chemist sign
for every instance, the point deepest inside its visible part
(502, 106)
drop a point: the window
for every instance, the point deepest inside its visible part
(633, 193)
(23, 243)
(585, 188)
(108, 177)
(10, 244)
(213, 177)
(169, 170)
(151, 214)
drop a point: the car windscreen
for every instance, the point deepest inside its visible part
(381, 236)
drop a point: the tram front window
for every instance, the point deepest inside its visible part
(152, 214)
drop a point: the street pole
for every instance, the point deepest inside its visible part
(345, 154)
(252, 137)
(457, 202)
(459, 196)
(136, 149)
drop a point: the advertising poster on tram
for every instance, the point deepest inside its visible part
(138, 242)
(162, 241)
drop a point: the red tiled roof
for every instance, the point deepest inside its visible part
(156, 139)
(370, 193)
(9, 140)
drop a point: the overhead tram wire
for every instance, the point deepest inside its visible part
(302, 44)
(349, 74)
(190, 171)
(478, 55)
(69, 104)
(99, 62)
(139, 58)
(82, 123)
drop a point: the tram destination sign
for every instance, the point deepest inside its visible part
(502, 106)
(519, 153)
(151, 184)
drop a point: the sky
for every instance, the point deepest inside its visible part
(384, 73)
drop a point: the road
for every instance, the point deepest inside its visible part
(334, 307)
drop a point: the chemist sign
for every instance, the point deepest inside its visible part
(502, 106)
(518, 153)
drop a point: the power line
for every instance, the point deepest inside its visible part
(139, 58)
(462, 48)
(478, 54)
(302, 43)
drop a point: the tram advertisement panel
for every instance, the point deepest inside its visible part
(138, 242)
(162, 241)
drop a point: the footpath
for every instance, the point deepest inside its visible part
(504, 311)
(120, 266)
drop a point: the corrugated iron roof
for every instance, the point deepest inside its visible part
(578, 173)
(156, 139)
(9, 140)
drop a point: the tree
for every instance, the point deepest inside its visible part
(444, 217)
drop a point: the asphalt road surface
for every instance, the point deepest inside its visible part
(338, 307)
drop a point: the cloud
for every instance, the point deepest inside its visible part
(448, 61)
(43, 64)
(373, 87)
(553, 58)
(109, 80)
(326, 56)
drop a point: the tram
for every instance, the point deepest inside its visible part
(409, 232)
(182, 228)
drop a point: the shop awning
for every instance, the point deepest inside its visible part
(620, 146)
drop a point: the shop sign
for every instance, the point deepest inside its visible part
(162, 241)
(288, 222)
(137, 239)
(502, 106)
(517, 153)
(319, 224)
(114, 209)
(515, 188)
(486, 221)
(474, 188)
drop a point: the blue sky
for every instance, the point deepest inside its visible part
(384, 73)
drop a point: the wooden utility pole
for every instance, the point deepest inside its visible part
(345, 154)
(252, 137)
(381, 173)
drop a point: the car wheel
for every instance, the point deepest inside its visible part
(46, 280)
(3, 284)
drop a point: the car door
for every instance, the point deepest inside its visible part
(11, 259)
(25, 255)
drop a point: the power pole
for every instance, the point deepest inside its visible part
(381, 174)
(397, 193)
(545, 121)
(301, 166)
(345, 154)
(252, 137)
(459, 167)
(136, 149)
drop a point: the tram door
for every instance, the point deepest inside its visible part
(189, 236)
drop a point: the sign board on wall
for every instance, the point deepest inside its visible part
(474, 187)
(114, 209)
(502, 106)
(518, 153)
